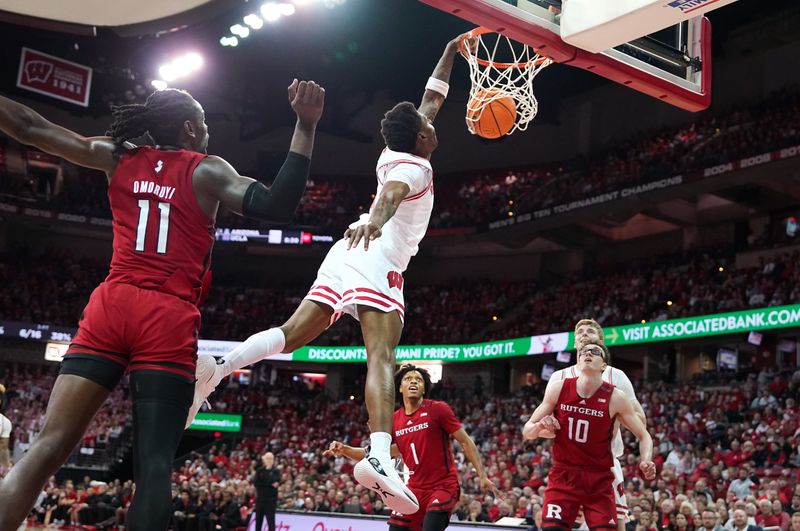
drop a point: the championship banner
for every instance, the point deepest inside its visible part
(45, 74)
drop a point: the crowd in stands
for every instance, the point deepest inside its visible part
(28, 389)
(53, 288)
(332, 203)
(709, 140)
(726, 452)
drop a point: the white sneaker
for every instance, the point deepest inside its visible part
(208, 375)
(382, 477)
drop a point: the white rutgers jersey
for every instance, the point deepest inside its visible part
(403, 232)
(5, 427)
(615, 377)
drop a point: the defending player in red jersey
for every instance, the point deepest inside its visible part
(581, 412)
(421, 432)
(144, 319)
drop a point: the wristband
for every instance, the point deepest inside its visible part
(363, 219)
(437, 85)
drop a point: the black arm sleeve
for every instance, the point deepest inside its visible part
(278, 203)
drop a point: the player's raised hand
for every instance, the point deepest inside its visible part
(466, 44)
(648, 469)
(308, 100)
(335, 449)
(550, 424)
(367, 231)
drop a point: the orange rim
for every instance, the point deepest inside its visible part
(477, 32)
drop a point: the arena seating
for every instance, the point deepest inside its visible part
(470, 200)
(54, 287)
(721, 443)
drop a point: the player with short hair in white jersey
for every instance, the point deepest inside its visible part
(362, 276)
(5, 437)
(589, 331)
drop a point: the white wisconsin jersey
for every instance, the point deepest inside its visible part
(400, 236)
(615, 377)
(5, 427)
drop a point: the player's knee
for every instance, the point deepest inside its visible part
(380, 355)
(436, 521)
(56, 442)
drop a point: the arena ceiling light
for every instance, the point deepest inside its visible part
(240, 31)
(271, 11)
(254, 21)
(229, 41)
(179, 67)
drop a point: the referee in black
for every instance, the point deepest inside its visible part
(266, 483)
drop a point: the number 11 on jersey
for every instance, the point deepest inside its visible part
(163, 226)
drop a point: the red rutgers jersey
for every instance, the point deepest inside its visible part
(584, 439)
(162, 238)
(423, 439)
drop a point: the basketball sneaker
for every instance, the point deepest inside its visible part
(380, 476)
(208, 375)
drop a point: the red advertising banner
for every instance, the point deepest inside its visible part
(54, 77)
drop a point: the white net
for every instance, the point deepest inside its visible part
(501, 68)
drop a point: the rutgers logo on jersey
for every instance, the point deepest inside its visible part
(395, 280)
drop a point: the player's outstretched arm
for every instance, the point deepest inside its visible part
(537, 423)
(392, 194)
(622, 408)
(474, 457)
(437, 86)
(26, 126)
(217, 179)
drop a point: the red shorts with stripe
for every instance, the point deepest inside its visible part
(570, 489)
(139, 329)
(443, 498)
(349, 278)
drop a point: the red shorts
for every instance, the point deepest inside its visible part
(442, 498)
(139, 329)
(569, 489)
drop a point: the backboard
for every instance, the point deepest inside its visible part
(673, 64)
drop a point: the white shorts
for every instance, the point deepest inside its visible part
(5, 427)
(619, 491)
(348, 278)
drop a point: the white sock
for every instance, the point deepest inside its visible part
(380, 442)
(255, 348)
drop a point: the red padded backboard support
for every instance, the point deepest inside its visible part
(550, 44)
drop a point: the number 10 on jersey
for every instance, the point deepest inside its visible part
(578, 431)
(163, 226)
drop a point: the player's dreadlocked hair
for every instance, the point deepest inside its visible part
(407, 368)
(400, 126)
(161, 116)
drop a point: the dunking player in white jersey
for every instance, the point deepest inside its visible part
(362, 275)
(589, 331)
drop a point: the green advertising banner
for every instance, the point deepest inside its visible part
(703, 325)
(477, 351)
(615, 336)
(216, 422)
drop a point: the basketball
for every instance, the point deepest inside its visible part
(494, 119)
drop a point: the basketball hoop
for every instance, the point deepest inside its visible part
(501, 69)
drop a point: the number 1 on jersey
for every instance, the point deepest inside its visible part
(414, 453)
(163, 226)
